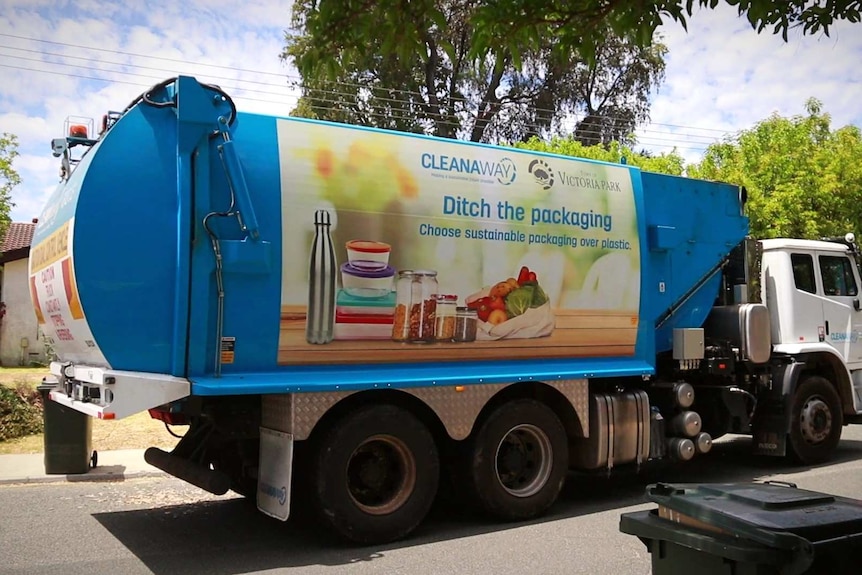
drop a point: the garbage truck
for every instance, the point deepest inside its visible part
(351, 318)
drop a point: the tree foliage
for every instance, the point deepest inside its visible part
(672, 163)
(428, 78)
(20, 412)
(9, 178)
(804, 179)
(522, 26)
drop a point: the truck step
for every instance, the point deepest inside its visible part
(210, 480)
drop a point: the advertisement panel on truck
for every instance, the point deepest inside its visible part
(53, 287)
(544, 250)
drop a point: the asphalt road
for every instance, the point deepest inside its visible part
(165, 527)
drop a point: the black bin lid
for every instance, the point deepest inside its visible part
(775, 514)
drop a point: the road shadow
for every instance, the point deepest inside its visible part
(230, 537)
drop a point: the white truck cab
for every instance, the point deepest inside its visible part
(812, 291)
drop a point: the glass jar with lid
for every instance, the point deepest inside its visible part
(445, 318)
(423, 308)
(403, 304)
(466, 323)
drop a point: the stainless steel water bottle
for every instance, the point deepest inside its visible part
(322, 269)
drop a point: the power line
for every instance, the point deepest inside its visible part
(280, 75)
(334, 99)
(644, 140)
(76, 76)
(135, 74)
(651, 141)
(97, 60)
(121, 52)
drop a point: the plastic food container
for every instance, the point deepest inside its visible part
(371, 252)
(360, 280)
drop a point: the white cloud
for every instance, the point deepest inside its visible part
(723, 76)
(94, 56)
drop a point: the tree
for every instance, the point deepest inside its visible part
(803, 178)
(9, 178)
(443, 88)
(672, 163)
(522, 26)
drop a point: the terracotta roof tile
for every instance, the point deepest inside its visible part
(19, 235)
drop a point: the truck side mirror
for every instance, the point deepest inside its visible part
(856, 304)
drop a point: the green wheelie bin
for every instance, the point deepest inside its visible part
(766, 528)
(67, 437)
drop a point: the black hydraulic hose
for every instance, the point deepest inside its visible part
(147, 98)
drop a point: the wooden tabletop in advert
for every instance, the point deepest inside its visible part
(577, 333)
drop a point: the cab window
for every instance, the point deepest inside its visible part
(837, 274)
(803, 272)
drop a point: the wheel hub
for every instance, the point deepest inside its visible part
(381, 474)
(815, 420)
(524, 460)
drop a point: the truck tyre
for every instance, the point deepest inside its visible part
(816, 421)
(374, 474)
(517, 460)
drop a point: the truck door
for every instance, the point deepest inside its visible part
(841, 306)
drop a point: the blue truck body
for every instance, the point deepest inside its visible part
(145, 268)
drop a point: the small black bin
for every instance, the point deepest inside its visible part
(748, 529)
(67, 438)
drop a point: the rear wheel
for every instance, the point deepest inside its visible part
(517, 460)
(375, 474)
(816, 421)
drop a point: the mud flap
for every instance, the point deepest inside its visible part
(771, 423)
(770, 432)
(273, 479)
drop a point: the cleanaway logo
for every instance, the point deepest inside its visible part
(504, 170)
(278, 493)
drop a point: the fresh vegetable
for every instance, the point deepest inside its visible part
(510, 298)
(482, 307)
(497, 316)
(502, 289)
(497, 302)
(520, 300)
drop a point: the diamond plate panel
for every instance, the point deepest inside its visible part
(577, 391)
(276, 412)
(308, 408)
(456, 406)
(457, 409)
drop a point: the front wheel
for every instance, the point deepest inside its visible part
(517, 460)
(375, 474)
(816, 421)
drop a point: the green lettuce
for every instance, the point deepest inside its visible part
(529, 295)
(519, 300)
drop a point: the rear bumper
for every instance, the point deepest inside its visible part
(113, 394)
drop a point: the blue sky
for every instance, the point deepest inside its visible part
(85, 57)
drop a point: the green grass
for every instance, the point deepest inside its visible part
(31, 376)
(138, 431)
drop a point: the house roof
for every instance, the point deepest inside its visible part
(19, 235)
(16, 242)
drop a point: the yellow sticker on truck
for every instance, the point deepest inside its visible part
(56, 300)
